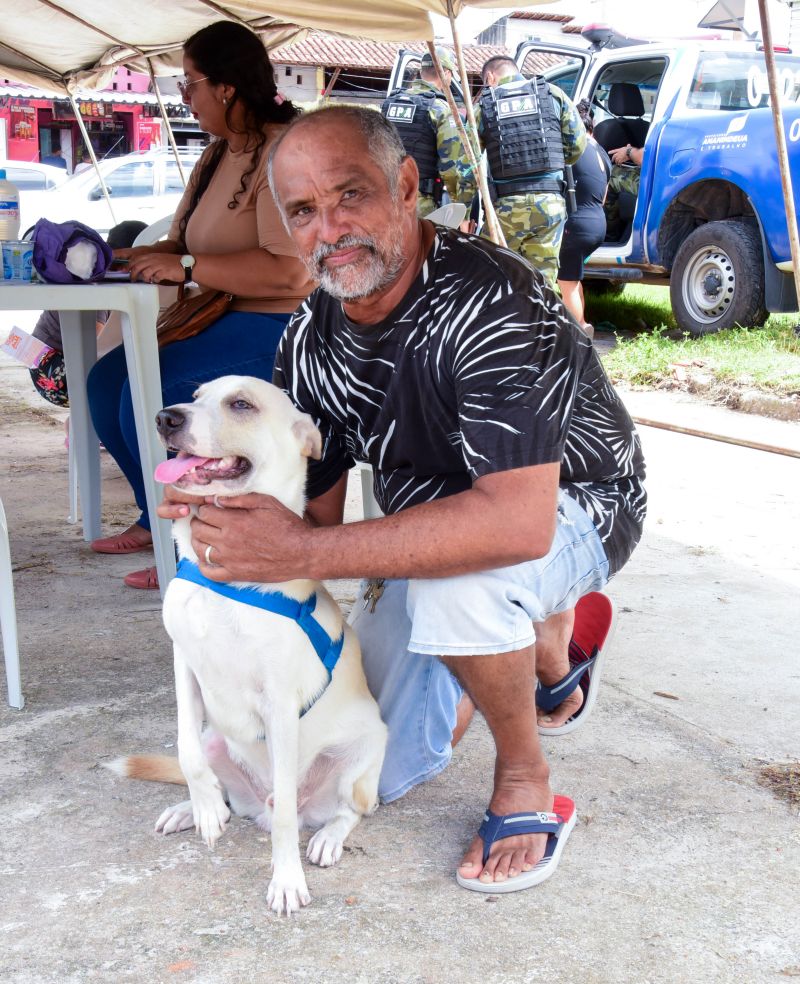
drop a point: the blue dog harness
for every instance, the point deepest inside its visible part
(328, 650)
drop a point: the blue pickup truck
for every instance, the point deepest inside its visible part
(708, 219)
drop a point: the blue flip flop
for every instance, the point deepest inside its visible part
(593, 630)
(557, 825)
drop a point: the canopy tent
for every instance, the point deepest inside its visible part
(61, 45)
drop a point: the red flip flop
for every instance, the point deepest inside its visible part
(591, 634)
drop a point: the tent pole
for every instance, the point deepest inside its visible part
(90, 149)
(165, 119)
(495, 231)
(332, 83)
(780, 139)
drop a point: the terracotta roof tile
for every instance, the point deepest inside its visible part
(535, 15)
(329, 51)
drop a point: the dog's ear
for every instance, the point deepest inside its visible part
(308, 437)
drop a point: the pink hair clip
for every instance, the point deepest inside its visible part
(279, 99)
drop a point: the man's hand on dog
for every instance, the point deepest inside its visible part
(277, 540)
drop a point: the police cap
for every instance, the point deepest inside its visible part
(446, 60)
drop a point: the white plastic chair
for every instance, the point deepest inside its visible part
(368, 501)
(450, 215)
(155, 231)
(8, 618)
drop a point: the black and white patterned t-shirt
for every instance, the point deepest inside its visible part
(477, 370)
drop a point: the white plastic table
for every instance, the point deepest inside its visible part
(77, 305)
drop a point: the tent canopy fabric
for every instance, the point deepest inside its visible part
(63, 45)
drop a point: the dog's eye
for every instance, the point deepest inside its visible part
(241, 405)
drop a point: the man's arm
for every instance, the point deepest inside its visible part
(505, 518)
(328, 509)
(455, 167)
(573, 132)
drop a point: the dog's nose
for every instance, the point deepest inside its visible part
(169, 420)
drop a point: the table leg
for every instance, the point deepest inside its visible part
(79, 337)
(141, 355)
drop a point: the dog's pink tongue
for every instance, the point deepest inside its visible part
(173, 469)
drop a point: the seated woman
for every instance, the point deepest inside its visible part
(227, 235)
(586, 227)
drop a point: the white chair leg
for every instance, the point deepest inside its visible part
(8, 618)
(72, 478)
(370, 504)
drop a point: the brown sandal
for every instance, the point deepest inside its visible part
(147, 579)
(123, 543)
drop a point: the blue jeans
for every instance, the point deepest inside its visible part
(238, 343)
(468, 615)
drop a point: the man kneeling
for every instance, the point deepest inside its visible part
(508, 469)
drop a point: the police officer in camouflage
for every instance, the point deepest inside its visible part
(429, 134)
(530, 130)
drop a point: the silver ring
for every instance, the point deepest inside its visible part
(217, 503)
(209, 561)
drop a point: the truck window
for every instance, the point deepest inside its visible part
(562, 70)
(411, 74)
(733, 81)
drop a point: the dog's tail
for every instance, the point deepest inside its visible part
(153, 768)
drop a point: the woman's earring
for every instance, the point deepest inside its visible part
(224, 101)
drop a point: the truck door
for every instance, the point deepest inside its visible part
(563, 65)
(406, 70)
(624, 94)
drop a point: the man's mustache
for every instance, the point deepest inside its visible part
(325, 250)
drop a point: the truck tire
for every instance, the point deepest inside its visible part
(717, 279)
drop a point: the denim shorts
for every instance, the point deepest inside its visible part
(470, 615)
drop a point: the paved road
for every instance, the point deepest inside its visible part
(682, 868)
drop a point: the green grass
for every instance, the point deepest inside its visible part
(766, 359)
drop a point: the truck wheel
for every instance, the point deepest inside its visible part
(717, 279)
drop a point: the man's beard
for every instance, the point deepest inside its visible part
(369, 274)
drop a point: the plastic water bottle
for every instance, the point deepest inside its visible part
(9, 208)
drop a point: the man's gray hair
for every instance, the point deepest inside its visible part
(383, 141)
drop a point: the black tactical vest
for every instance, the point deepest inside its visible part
(410, 113)
(521, 132)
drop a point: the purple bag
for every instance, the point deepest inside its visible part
(51, 240)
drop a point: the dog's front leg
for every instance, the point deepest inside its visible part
(208, 805)
(287, 891)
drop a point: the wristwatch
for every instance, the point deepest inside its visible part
(187, 262)
(627, 152)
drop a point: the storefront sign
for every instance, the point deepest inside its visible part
(89, 110)
(22, 122)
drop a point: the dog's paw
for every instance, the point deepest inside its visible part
(178, 817)
(324, 848)
(211, 816)
(288, 892)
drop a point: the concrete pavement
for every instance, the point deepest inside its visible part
(682, 867)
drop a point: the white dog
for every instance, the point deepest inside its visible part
(287, 742)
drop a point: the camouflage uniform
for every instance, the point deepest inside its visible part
(625, 177)
(455, 169)
(533, 223)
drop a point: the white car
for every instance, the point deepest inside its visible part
(32, 176)
(145, 187)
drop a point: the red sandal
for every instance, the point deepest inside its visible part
(123, 543)
(147, 579)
